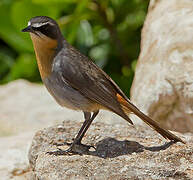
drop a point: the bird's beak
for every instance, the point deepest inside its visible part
(27, 29)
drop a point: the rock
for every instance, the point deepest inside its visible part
(13, 157)
(122, 152)
(163, 82)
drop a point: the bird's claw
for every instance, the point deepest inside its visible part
(62, 144)
(72, 150)
(61, 152)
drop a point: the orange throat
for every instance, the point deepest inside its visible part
(44, 48)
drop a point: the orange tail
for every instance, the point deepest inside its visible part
(128, 107)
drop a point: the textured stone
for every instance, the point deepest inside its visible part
(13, 157)
(122, 152)
(163, 82)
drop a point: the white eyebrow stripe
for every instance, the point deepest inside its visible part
(29, 23)
(39, 24)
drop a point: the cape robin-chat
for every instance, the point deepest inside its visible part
(77, 83)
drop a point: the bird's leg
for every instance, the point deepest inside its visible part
(82, 131)
(87, 116)
(76, 147)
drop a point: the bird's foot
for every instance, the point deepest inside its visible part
(62, 144)
(61, 152)
(74, 149)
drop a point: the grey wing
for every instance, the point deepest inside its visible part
(83, 75)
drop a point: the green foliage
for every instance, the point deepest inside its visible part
(106, 30)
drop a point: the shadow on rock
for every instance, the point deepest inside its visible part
(110, 148)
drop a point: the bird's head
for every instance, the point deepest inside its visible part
(47, 41)
(43, 27)
(44, 31)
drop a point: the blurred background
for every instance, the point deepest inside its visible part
(108, 31)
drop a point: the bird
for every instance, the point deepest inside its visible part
(76, 82)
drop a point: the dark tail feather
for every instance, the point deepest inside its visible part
(165, 133)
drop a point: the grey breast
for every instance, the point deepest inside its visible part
(64, 94)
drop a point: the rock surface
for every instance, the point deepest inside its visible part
(122, 152)
(13, 157)
(163, 83)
